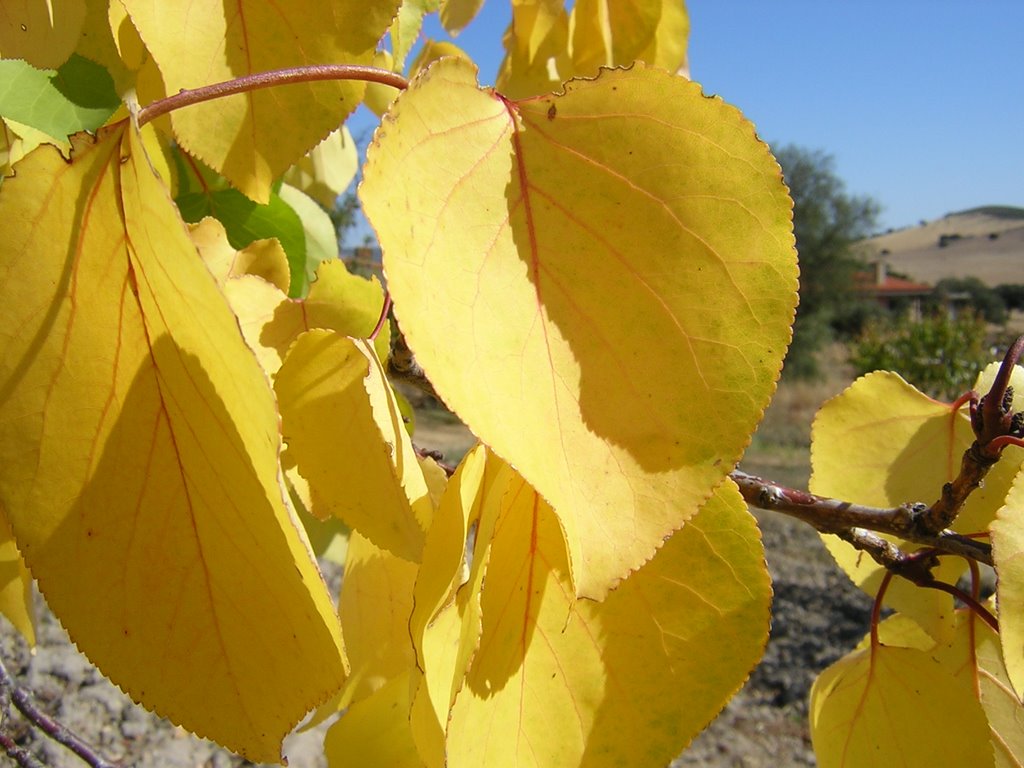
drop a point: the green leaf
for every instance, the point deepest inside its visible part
(246, 221)
(79, 96)
(317, 228)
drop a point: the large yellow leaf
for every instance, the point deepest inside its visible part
(15, 585)
(557, 681)
(1008, 553)
(343, 429)
(252, 138)
(42, 32)
(599, 283)
(883, 443)
(138, 456)
(897, 707)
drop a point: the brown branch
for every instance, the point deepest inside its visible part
(841, 517)
(20, 755)
(913, 521)
(402, 365)
(55, 730)
(313, 73)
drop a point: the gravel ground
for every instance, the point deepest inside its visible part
(817, 617)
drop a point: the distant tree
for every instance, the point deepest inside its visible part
(827, 222)
(1012, 295)
(343, 215)
(986, 301)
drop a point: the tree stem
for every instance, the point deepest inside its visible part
(52, 728)
(308, 74)
(841, 517)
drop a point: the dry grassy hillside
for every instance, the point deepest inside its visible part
(987, 243)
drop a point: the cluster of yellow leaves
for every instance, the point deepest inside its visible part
(547, 44)
(937, 684)
(601, 283)
(507, 667)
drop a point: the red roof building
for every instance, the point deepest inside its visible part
(891, 292)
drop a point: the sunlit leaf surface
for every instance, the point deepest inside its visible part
(612, 281)
(892, 705)
(556, 680)
(139, 447)
(332, 392)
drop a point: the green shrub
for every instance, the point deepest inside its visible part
(939, 355)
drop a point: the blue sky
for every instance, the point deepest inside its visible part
(921, 102)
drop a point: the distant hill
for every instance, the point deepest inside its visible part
(985, 242)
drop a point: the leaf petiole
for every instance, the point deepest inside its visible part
(308, 74)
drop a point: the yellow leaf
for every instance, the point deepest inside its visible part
(608, 322)
(444, 551)
(537, 57)
(883, 443)
(445, 624)
(378, 96)
(139, 454)
(10, 149)
(433, 50)
(1008, 554)
(987, 377)
(557, 681)
(253, 138)
(333, 387)
(41, 32)
(337, 300)
(668, 48)
(405, 30)
(895, 707)
(263, 258)
(433, 474)
(22, 139)
(616, 32)
(375, 604)
(327, 169)
(374, 732)
(456, 14)
(15, 585)
(610, 32)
